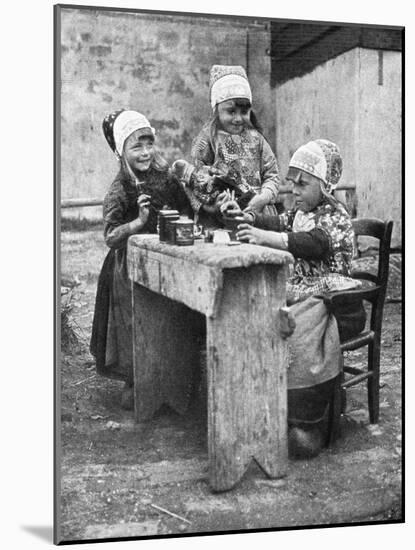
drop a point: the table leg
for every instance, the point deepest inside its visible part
(247, 393)
(165, 354)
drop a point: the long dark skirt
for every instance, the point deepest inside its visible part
(111, 339)
(310, 405)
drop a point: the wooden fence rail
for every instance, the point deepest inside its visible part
(79, 203)
(76, 203)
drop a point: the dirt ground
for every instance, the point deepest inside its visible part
(115, 474)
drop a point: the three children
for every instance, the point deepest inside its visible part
(231, 152)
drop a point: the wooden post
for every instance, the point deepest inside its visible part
(165, 352)
(247, 391)
(76, 203)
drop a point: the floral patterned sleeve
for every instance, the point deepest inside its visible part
(270, 176)
(337, 225)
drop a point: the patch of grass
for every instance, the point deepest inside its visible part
(70, 338)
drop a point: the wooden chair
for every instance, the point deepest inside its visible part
(375, 296)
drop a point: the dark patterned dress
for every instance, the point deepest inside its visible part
(111, 340)
(322, 243)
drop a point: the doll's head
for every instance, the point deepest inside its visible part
(315, 170)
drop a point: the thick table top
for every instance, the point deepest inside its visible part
(194, 274)
(221, 256)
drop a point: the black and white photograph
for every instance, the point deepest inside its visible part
(228, 195)
(203, 274)
(204, 259)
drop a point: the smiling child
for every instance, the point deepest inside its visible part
(232, 145)
(141, 188)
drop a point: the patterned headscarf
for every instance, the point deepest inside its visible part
(228, 82)
(320, 158)
(119, 125)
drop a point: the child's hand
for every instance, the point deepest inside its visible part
(143, 207)
(221, 199)
(230, 208)
(251, 234)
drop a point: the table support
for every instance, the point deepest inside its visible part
(247, 393)
(166, 352)
(233, 297)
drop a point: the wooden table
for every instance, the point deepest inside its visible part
(237, 292)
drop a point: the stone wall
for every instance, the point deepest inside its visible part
(156, 64)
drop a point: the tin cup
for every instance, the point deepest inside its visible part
(164, 217)
(183, 230)
(171, 231)
(231, 223)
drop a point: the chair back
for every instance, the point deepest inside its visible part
(381, 230)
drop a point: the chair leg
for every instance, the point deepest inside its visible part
(373, 381)
(333, 428)
(343, 407)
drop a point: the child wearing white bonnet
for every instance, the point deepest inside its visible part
(142, 187)
(231, 145)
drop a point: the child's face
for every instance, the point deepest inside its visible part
(232, 117)
(307, 189)
(139, 151)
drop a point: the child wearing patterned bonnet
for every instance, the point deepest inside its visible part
(319, 234)
(230, 151)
